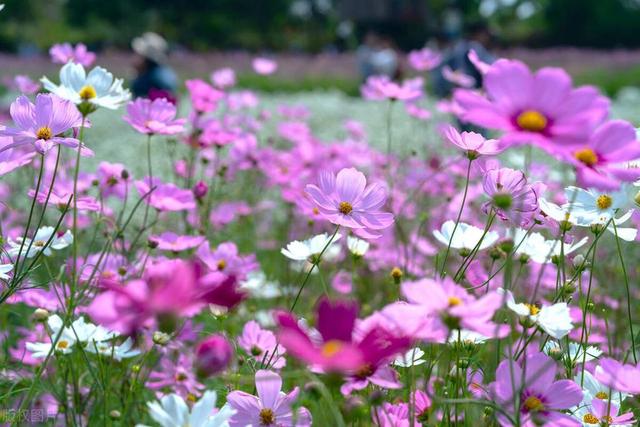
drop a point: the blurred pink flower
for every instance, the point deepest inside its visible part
(166, 197)
(379, 88)
(154, 117)
(624, 378)
(424, 59)
(65, 52)
(170, 241)
(204, 97)
(264, 66)
(260, 344)
(511, 196)
(223, 78)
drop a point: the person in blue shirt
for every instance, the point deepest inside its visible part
(155, 79)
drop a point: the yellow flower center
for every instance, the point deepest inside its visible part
(87, 92)
(267, 417)
(602, 395)
(533, 309)
(590, 419)
(192, 397)
(39, 243)
(63, 344)
(533, 404)
(222, 264)
(532, 120)
(396, 273)
(44, 133)
(607, 420)
(604, 201)
(453, 301)
(331, 347)
(345, 208)
(587, 156)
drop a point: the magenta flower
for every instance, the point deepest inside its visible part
(226, 259)
(271, 407)
(260, 344)
(424, 59)
(154, 117)
(113, 179)
(204, 97)
(166, 197)
(65, 52)
(43, 123)
(603, 162)
(540, 108)
(511, 196)
(338, 347)
(264, 66)
(447, 307)
(531, 388)
(213, 355)
(473, 143)
(346, 200)
(170, 241)
(378, 88)
(176, 377)
(624, 378)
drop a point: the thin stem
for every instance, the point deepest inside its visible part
(455, 227)
(626, 285)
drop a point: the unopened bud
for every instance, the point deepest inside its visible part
(578, 261)
(161, 338)
(115, 414)
(200, 189)
(124, 174)
(396, 274)
(40, 314)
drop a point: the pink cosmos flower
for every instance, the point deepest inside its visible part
(424, 59)
(61, 198)
(260, 344)
(223, 78)
(531, 388)
(204, 97)
(42, 123)
(170, 241)
(24, 84)
(339, 348)
(457, 77)
(480, 65)
(390, 415)
(624, 378)
(166, 197)
(446, 307)
(65, 52)
(226, 260)
(346, 200)
(154, 117)
(415, 111)
(113, 179)
(540, 108)
(270, 407)
(175, 376)
(264, 66)
(511, 196)
(473, 143)
(12, 158)
(603, 161)
(378, 88)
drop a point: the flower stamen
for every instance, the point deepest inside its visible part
(345, 208)
(45, 133)
(532, 121)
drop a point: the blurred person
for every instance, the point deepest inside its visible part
(155, 79)
(456, 67)
(377, 56)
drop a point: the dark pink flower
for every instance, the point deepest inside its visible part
(540, 108)
(213, 355)
(154, 117)
(204, 97)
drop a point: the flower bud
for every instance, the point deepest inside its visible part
(161, 338)
(200, 189)
(213, 355)
(115, 414)
(396, 274)
(40, 315)
(578, 261)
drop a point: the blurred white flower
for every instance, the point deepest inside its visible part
(356, 246)
(172, 411)
(32, 247)
(466, 236)
(412, 357)
(554, 319)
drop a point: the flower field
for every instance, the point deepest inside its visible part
(248, 259)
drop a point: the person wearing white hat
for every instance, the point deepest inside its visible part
(155, 78)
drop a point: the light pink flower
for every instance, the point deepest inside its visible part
(511, 196)
(65, 52)
(346, 200)
(378, 88)
(624, 378)
(166, 197)
(264, 66)
(260, 344)
(223, 78)
(204, 97)
(154, 117)
(457, 77)
(170, 241)
(270, 407)
(473, 143)
(424, 59)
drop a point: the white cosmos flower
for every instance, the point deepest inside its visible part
(356, 246)
(593, 389)
(172, 411)
(539, 249)
(307, 249)
(98, 88)
(467, 336)
(119, 352)
(554, 319)
(4, 269)
(258, 285)
(576, 352)
(466, 236)
(32, 247)
(412, 357)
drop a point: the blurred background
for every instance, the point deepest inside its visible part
(316, 42)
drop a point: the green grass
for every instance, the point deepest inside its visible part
(273, 84)
(609, 81)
